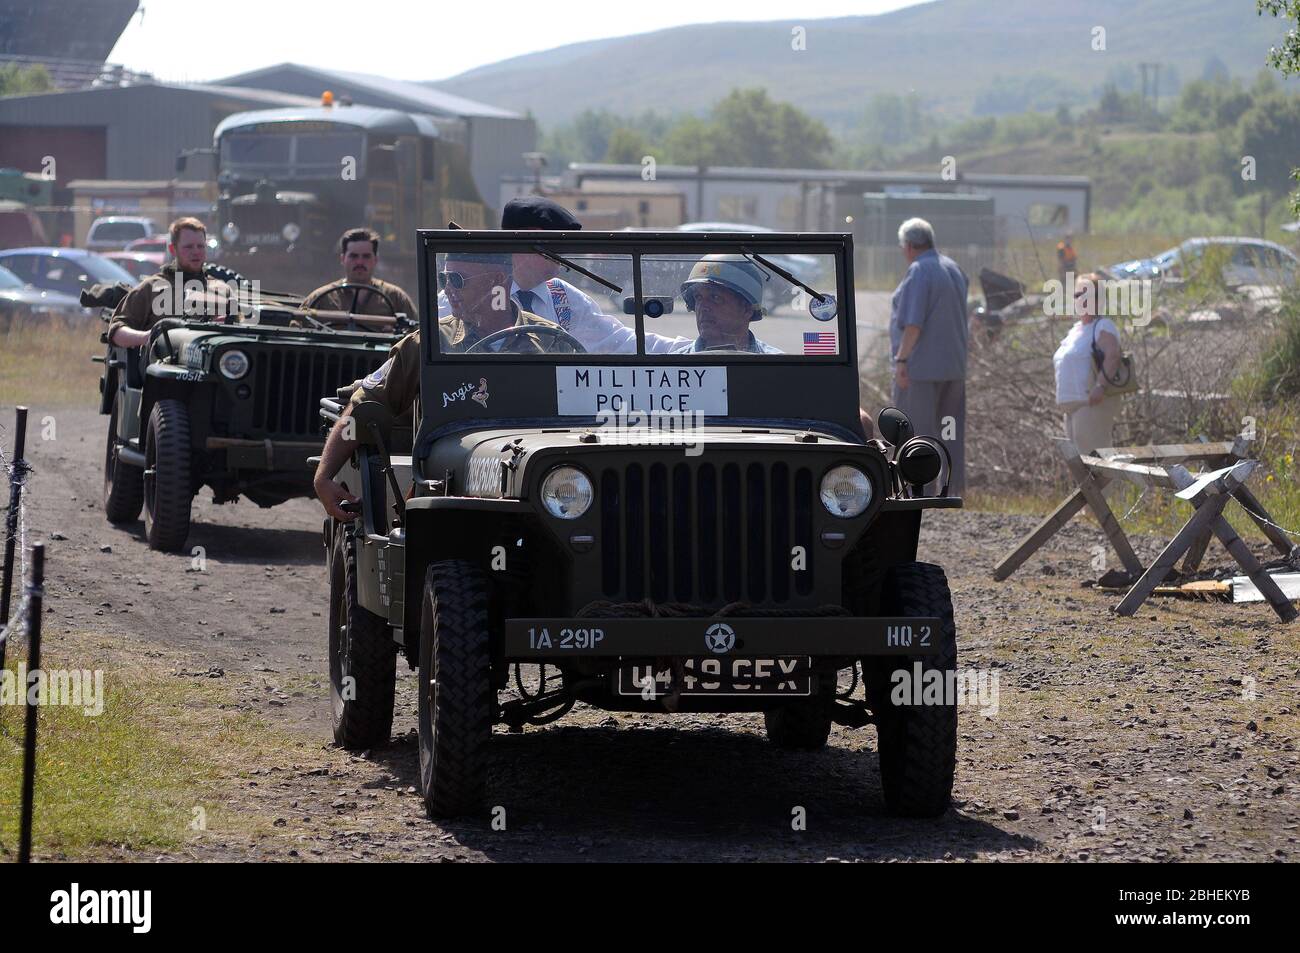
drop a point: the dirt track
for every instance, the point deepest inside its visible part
(1114, 739)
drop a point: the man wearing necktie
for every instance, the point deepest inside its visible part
(536, 289)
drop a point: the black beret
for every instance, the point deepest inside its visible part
(535, 211)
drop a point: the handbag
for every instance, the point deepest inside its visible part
(1124, 380)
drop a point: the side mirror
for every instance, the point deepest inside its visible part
(656, 306)
(374, 424)
(894, 426)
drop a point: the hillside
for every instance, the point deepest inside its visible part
(962, 56)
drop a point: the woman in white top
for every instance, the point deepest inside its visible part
(1089, 413)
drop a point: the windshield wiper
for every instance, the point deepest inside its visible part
(561, 260)
(759, 259)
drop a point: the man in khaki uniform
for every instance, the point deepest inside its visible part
(474, 284)
(358, 254)
(179, 290)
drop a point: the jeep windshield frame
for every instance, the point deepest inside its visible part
(471, 391)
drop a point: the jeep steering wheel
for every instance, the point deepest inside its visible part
(553, 330)
(158, 330)
(356, 298)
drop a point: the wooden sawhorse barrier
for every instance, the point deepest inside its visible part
(1162, 466)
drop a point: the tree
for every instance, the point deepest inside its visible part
(751, 129)
(1285, 58)
(16, 80)
(627, 146)
(1270, 132)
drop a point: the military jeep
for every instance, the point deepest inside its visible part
(230, 402)
(708, 529)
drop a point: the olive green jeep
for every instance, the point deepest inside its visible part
(688, 517)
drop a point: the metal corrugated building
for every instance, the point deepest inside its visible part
(497, 138)
(120, 132)
(63, 29)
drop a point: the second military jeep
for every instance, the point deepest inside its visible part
(707, 529)
(228, 401)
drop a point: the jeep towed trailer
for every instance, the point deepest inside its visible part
(545, 515)
(228, 405)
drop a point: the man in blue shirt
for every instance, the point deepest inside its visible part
(927, 335)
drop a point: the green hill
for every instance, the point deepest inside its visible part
(962, 56)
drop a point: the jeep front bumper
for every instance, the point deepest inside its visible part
(266, 454)
(754, 636)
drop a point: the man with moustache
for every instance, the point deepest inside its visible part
(359, 254)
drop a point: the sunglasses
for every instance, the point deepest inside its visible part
(453, 278)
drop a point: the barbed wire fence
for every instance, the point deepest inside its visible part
(24, 623)
(13, 624)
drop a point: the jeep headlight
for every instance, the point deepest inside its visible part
(230, 232)
(233, 364)
(845, 491)
(291, 232)
(567, 493)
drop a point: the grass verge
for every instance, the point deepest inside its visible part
(45, 363)
(147, 774)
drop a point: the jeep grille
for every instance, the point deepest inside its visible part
(704, 533)
(289, 382)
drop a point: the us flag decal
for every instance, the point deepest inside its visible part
(819, 342)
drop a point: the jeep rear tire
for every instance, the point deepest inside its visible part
(361, 649)
(456, 699)
(800, 726)
(123, 483)
(917, 743)
(167, 494)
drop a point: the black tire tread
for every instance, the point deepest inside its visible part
(800, 726)
(917, 744)
(167, 521)
(124, 489)
(365, 721)
(455, 655)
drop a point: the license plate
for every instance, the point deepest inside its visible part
(788, 676)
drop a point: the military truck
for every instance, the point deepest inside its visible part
(708, 529)
(291, 181)
(227, 404)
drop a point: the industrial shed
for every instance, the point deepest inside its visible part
(120, 132)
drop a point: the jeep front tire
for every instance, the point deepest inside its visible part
(167, 494)
(917, 743)
(456, 699)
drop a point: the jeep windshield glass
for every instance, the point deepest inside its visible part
(694, 299)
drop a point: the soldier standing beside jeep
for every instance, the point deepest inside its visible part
(165, 295)
(359, 291)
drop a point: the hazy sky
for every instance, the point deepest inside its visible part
(180, 40)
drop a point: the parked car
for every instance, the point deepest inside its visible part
(154, 243)
(20, 300)
(1250, 261)
(139, 263)
(115, 232)
(66, 270)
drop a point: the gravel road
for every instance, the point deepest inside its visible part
(1171, 735)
